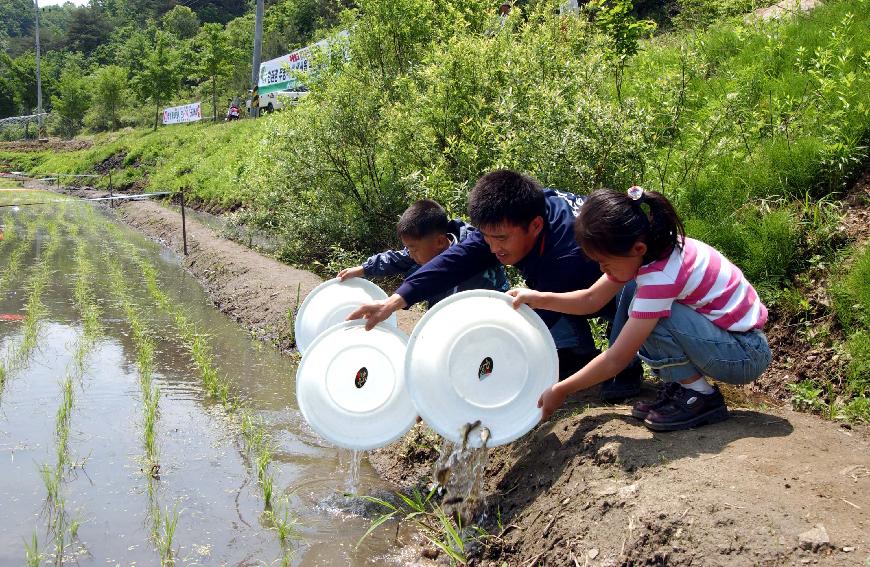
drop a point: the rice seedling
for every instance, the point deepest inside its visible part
(32, 556)
(16, 256)
(144, 346)
(59, 525)
(18, 354)
(166, 536)
(10, 233)
(216, 386)
(283, 522)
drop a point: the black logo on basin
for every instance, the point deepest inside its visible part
(361, 376)
(485, 368)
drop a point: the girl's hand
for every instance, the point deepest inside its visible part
(551, 400)
(522, 295)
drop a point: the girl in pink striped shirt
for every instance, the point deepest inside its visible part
(682, 306)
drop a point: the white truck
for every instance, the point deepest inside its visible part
(276, 100)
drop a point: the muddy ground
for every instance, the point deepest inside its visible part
(593, 486)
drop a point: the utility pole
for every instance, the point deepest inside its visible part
(39, 120)
(255, 72)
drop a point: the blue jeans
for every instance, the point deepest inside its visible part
(687, 343)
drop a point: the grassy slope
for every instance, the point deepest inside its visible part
(209, 159)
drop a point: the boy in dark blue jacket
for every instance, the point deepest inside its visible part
(426, 232)
(519, 224)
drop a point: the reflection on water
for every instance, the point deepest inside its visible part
(204, 471)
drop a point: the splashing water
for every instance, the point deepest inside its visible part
(459, 471)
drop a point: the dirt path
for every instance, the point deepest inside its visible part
(595, 487)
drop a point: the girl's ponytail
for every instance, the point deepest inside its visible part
(611, 222)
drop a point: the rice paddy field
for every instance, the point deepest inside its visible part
(139, 426)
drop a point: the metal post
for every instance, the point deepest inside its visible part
(255, 71)
(111, 197)
(183, 223)
(39, 120)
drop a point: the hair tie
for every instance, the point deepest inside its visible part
(635, 193)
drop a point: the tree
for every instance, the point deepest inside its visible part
(110, 86)
(71, 102)
(181, 22)
(614, 18)
(88, 28)
(7, 98)
(159, 77)
(214, 55)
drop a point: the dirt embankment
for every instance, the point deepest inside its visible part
(595, 487)
(53, 144)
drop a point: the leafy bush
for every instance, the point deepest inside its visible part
(851, 294)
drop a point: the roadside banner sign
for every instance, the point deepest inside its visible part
(184, 113)
(280, 73)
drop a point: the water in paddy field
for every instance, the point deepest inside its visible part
(109, 494)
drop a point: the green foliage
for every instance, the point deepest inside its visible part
(109, 86)
(851, 294)
(701, 13)
(851, 303)
(87, 29)
(71, 103)
(182, 22)
(624, 31)
(159, 79)
(214, 53)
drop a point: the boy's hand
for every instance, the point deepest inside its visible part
(378, 311)
(551, 400)
(522, 295)
(347, 273)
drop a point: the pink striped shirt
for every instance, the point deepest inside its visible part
(699, 277)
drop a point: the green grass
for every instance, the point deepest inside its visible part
(209, 159)
(440, 529)
(846, 394)
(32, 556)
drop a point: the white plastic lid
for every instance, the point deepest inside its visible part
(351, 387)
(474, 357)
(329, 304)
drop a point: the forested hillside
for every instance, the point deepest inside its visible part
(102, 64)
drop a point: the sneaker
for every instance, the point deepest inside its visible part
(624, 385)
(666, 390)
(686, 409)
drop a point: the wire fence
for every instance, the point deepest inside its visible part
(26, 127)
